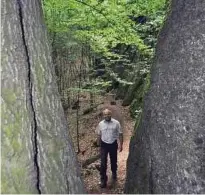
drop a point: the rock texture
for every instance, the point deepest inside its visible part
(37, 154)
(167, 151)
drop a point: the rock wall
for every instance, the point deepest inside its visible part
(37, 153)
(167, 151)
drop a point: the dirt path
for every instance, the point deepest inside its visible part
(91, 174)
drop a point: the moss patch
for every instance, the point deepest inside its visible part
(137, 103)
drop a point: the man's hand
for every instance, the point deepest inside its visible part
(120, 148)
(98, 140)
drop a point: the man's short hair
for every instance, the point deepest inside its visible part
(107, 111)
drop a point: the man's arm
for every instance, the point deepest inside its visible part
(98, 140)
(98, 132)
(121, 142)
(120, 138)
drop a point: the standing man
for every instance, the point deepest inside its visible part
(109, 133)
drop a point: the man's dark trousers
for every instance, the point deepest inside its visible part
(112, 150)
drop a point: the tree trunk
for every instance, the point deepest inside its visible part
(37, 154)
(167, 152)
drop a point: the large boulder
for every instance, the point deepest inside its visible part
(167, 151)
(37, 155)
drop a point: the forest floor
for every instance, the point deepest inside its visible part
(87, 149)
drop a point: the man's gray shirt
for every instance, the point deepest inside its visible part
(109, 131)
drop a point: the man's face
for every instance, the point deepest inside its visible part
(107, 116)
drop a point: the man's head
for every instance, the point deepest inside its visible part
(107, 114)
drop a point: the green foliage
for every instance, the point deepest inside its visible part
(146, 7)
(95, 86)
(102, 25)
(90, 90)
(112, 31)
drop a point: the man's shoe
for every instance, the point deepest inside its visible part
(103, 184)
(114, 177)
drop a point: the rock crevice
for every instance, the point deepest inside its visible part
(30, 101)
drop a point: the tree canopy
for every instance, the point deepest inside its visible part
(103, 24)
